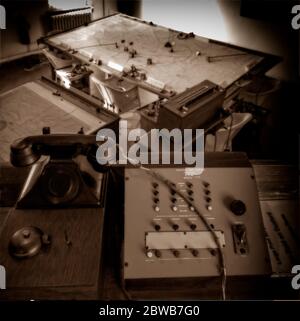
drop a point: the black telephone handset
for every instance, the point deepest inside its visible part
(64, 180)
(27, 151)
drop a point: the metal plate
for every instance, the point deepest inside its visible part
(182, 240)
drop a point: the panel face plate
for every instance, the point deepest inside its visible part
(164, 238)
(281, 220)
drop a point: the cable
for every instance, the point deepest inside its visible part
(96, 45)
(226, 144)
(126, 293)
(171, 185)
(7, 216)
(215, 142)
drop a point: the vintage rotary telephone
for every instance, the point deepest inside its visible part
(64, 171)
(51, 241)
(64, 175)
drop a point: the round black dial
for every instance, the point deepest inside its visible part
(238, 207)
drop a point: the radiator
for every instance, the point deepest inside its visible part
(72, 19)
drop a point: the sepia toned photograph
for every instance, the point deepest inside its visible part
(149, 152)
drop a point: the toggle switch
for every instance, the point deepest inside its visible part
(157, 227)
(195, 252)
(193, 226)
(157, 253)
(175, 227)
(173, 192)
(208, 199)
(213, 252)
(240, 239)
(206, 184)
(176, 253)
(156, 200)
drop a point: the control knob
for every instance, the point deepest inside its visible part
(238, 207)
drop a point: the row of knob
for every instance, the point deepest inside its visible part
(190, 185)
(207, 198)
(174, 200)
(176, 253)
(175, 227)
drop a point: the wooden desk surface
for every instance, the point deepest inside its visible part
(25, 110)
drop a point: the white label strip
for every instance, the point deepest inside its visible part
(193, 171)
(182, 240)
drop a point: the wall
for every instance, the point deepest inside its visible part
(98, 9)
(32, 11)
(108, 7)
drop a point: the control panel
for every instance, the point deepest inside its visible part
(165, 237)
(281, 221)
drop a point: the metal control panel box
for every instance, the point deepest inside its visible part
(193, 108)
(165, 237)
